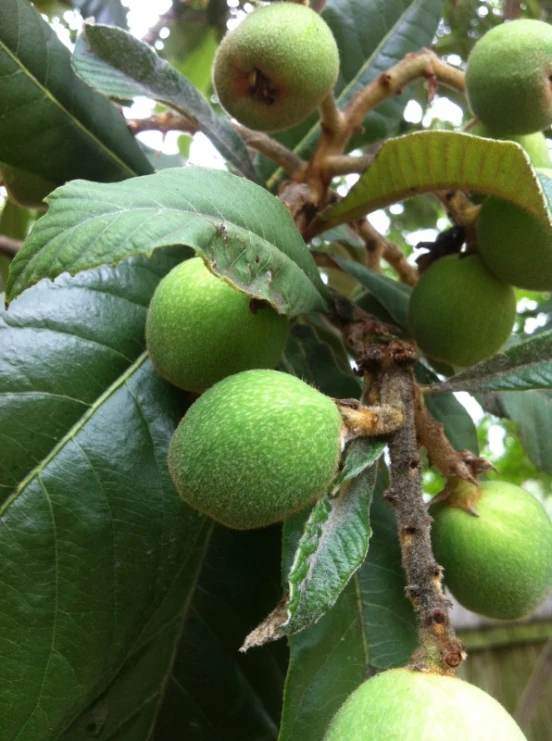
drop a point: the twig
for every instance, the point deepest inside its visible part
(332, 120)
(343, 164)
(378, 246)
(439, 650)
(451, 463)
(293, 165)
(9, 247)
(170, 121)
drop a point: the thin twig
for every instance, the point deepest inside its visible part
(9, 247)
(439, 650)
(332, 120)
(378, 246)
(344, 164)
(293, 165)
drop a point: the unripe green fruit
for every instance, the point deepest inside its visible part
(515, 245)
(199, 329)
(459, 312)
(534, 144)
(255, 448)
(273, 70)
(498, 564)
(508, 77)
(406, 705)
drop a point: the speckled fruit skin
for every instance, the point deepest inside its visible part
(405, 705)
(534, 144)
(199, 329)
(500, 563)
(255, 448)
(507, 77)
(296, 55)
(459, 312)
(515, 246)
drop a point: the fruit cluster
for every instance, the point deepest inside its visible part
(259, 444)
(463, 308)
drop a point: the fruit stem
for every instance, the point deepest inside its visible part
(439, 649)
(378, 244)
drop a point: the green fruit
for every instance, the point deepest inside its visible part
(200, 329)
(255, 448)
(498, 564)
(275, 68)
(405, 705)
(534, 144)
(515, 246)
(508, 78)
(459, 312)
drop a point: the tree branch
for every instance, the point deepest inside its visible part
(439, 650)
(378, 246)
(9, 247)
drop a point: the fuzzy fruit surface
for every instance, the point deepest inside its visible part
(199, 329)
(273, 70)
(459, 312)
(498, 564)
(405, 705)
(507, 77)
(515, 245)
(255, 448)
(534, 144)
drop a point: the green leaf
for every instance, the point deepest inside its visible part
(457, 422)
(372, 37)
(391, 294)
(63, 344)
(312, 360)
(371, 625)
(53, 125)
(532, 413)
(334, 542)
(245, 234)
(208, 687)
(435, 160)
(195, 44)
(99, 555)
(121, 66)
(526, 365)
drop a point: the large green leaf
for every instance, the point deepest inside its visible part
(371, 625)
(53, 124)
(532, 413)
(208, 690)
(99, 555)
(372, 37)
(246, 234)
(334, 542)
(526, 365)
(121, 66)
(62, 345)
(427, 161)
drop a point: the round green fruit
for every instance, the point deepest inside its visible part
(406, 705)
(498, 563)
(459, 312)
(515, 246)
(534, 144)
(274, 69)
(199, 329)
(508, 78)
(255, 448)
